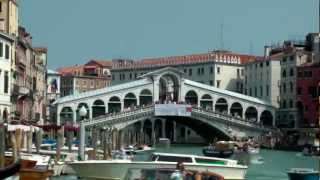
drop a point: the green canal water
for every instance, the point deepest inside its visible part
(268, 165)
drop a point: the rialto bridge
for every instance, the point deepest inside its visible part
(160, 101)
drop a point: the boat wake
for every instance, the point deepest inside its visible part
(258, 160)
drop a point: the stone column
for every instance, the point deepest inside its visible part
(58, 115)
(153, 135)
(29, 140)
(74, 116)
(163, 134)
(155, 89)
(174, 131)
(82, 142)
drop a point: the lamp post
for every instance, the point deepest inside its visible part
(82, 112)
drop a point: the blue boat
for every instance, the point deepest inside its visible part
(303, 174)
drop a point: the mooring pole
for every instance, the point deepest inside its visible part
(82, 142)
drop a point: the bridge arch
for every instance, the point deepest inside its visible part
(98, 108)
(145, 97)
(130, 100)
(114, 104)
(221, 106)
(169, 87)
(191, 97)
(66, 115)
(206, 102)
(251, 114)
(236, 110)
(266, 118)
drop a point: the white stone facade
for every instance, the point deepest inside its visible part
(262, 80)
(6, 49)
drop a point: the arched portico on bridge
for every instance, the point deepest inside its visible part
(114, 105)
(66, 115)
(251, 114)
(191, 98)
(221, 106)
(130, 100)
(266, 118)
(98, 108)
(145, 97)
(236, 110)
(206, 102)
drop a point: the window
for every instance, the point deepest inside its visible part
(284, 73)
(261, 65)
(7, 51)
(291, 58)
(211, 70)
(190, 72)
(211, 83)
(312, 90)
(185, 70)
(199, 71)
(299, 90)
(267, 90)
(261, 91)
(284, 104)
(284, 59)
(6, 82)
(267, 63)
(290, 103)
(238, 72)
(255, 91)
(291, 72)
(0, 6)
(284, 89)
(250, 92)
(1, 49)
(291, 87)
(218, 83)
(202, 70)
(130, 76)
(242, 72)
(218, 70)
(307, 73)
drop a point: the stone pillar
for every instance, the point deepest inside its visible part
(122, 105)
(2, 144)
(82, 142)
(29, 140)
(153, 134)
(74, 116)
(58, 115)
(155, 89)
(90, 113)
(174, 131)
(163, 134)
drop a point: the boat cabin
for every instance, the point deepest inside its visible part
(166, 157)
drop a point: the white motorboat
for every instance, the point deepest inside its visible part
(253, 150)
(116, 169)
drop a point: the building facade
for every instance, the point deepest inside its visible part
(262, 79)
(223, 70)
(9, 17)
(39, 84)
(6, 46)
(81, 78)
(53, 93)
(308, 92)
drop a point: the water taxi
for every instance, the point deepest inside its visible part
(116, 169)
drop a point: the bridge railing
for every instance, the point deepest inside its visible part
(118, 115)
(230, 118)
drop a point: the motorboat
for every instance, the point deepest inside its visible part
(116, 169)
(303, 174)
(253, 150)
(222, 149)
(165, 174)
(143, 149)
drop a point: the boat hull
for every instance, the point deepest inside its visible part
(215, 153)
(115, 169)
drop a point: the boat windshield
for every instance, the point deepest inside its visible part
(210, 161)
(171, 158)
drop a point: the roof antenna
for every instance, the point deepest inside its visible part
(221, 37)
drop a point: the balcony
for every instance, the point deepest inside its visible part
(20, 90)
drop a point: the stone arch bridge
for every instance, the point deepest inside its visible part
(154, 104)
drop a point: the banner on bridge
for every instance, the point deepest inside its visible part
(173, 110)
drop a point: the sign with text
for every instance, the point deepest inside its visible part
(173, 110)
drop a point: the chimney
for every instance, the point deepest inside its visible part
(267, 50)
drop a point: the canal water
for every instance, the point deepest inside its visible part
(268, 165)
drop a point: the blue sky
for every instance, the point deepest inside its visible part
(78, 30)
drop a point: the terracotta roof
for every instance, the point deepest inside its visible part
(224, 57)
(104, 63)
(69, 70)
